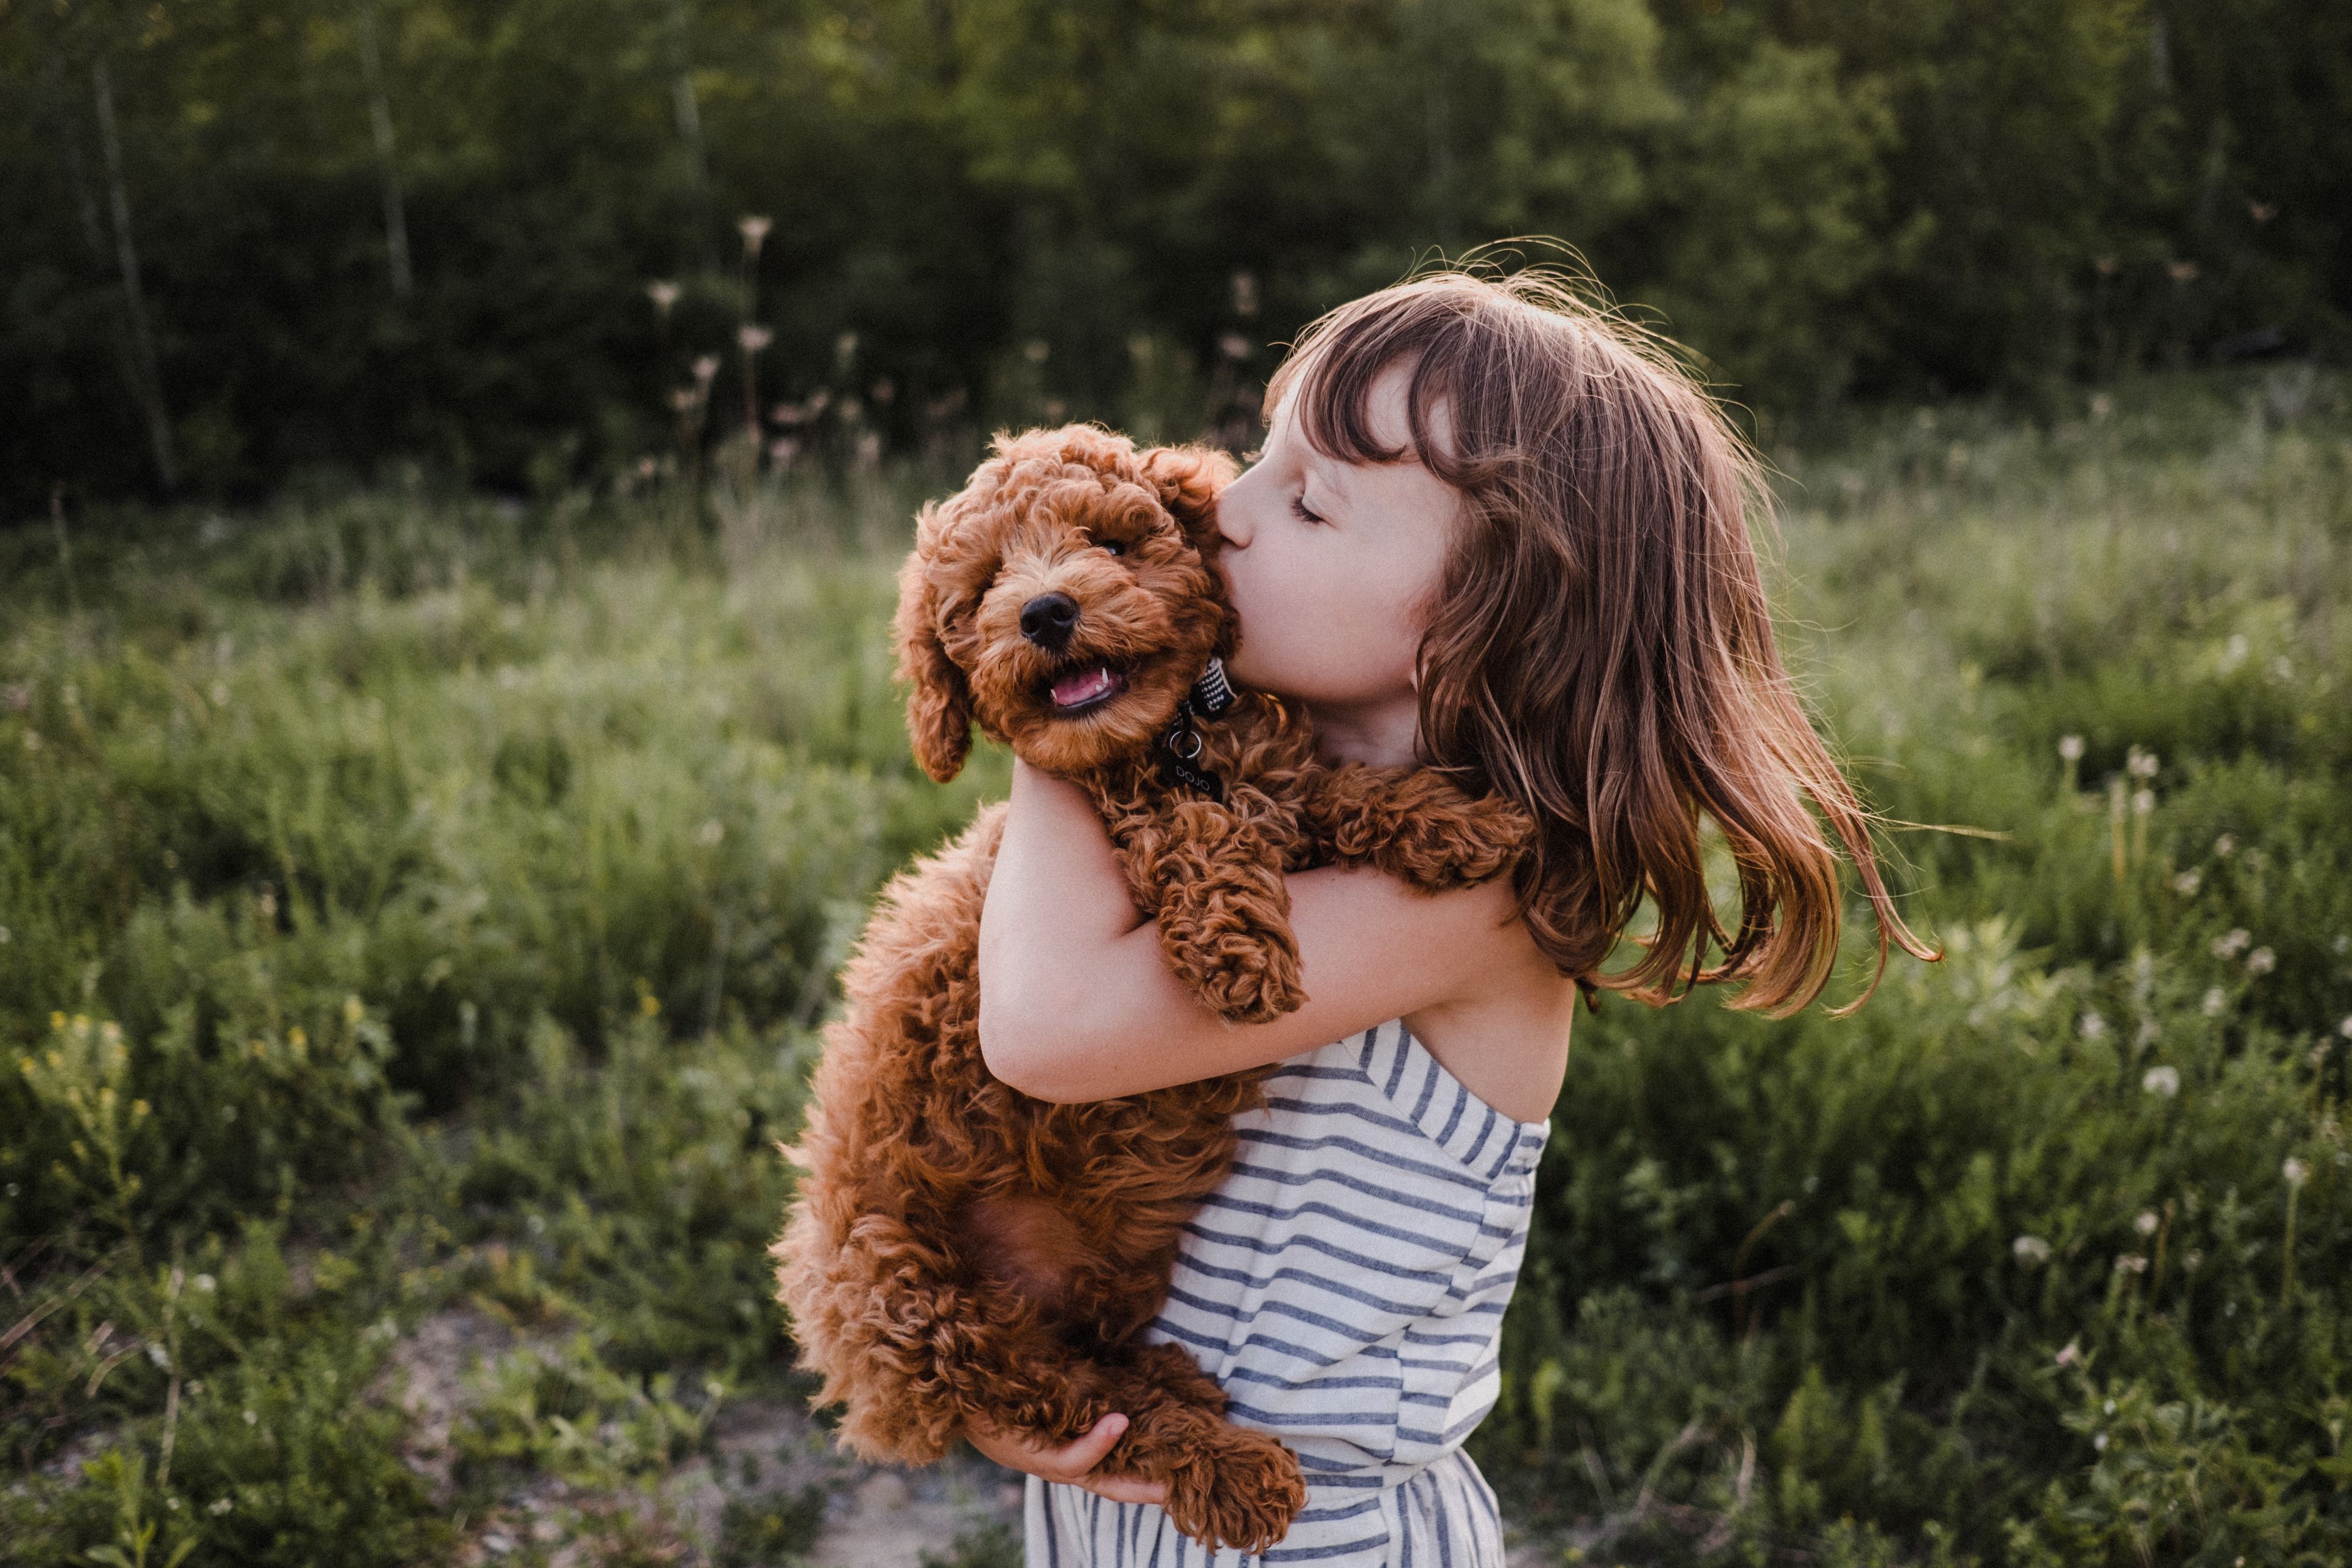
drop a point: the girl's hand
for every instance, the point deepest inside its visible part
(1072, 1463)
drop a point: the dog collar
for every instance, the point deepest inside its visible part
(1213, 693)
(1179, 744)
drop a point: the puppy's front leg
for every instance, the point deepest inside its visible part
(1414, 824)
(1223, 912)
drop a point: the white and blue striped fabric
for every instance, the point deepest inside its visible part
(1346, 1286)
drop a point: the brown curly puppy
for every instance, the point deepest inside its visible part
(957, 1248)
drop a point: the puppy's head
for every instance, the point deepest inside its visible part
(1063, 599)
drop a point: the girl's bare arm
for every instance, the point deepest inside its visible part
(1078, 1002)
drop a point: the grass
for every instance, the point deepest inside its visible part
(416, 911)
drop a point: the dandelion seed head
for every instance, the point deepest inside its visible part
(663, 294)
(2226, 846)
(2163, 1081)
(2092, 1027)
(2070, 748)
(2030, 1250)
(2146, 1222)
(704, 367)
(2295, 1172)
(2188, 882)
(2261, 960)
(2140, 764)
(752, 338)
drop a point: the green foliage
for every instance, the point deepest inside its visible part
(769, 1528)
(407, 230)
(991, 1545)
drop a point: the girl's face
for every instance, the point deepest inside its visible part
(1332, 565)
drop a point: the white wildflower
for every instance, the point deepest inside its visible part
(2295, 1172)
(2232, 943)
(2163, 1081)
(2216, 1002)
(2261, 960)
(2146, 1223)
(2188, 882)
(2093, 1027)
(2070, 748)
(2030, 1250)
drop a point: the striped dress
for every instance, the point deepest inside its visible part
(1346, 1286)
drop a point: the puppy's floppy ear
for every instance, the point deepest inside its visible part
(939, 708)
(1188, 479)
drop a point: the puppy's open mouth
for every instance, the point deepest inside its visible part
(1085, 689)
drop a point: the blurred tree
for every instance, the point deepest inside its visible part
(422, 229)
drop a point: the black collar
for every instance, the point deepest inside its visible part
(1179, 744)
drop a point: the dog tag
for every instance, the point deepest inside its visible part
(1177, 750)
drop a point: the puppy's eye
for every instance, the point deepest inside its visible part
(1115, 546)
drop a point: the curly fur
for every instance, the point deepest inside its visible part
(957, 1248)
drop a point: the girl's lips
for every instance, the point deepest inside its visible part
(1083, 688)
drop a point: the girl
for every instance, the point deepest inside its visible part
(1494, 532)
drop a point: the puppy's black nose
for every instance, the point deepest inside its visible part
(1047, 619)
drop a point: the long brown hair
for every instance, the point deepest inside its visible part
(1599, 649)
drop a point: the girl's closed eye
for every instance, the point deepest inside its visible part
(1299, 508)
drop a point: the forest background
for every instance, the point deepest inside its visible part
(246, 239)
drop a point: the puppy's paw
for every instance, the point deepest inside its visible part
(1421, 829)
(1248, 980)
(1241, 1490)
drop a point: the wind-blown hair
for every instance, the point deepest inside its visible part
(1599, 649)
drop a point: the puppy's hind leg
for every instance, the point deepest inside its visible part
(1227, 1485)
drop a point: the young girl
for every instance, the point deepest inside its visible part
(1492, 532)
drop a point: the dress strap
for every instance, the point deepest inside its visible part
(1417, 1084)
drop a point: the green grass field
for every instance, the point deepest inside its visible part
(416, 911)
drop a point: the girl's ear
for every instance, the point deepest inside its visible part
(1188, 479)
(939, 708)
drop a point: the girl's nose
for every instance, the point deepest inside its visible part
(1231, 513)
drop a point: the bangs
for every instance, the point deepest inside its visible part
(1333, 366)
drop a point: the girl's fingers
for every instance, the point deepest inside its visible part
(1084, 1455)
(1126, 1488)
(1071, 1464)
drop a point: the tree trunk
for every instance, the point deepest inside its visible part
(395, 215)
(126, 256)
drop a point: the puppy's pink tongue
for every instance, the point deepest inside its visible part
(1085, 687)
